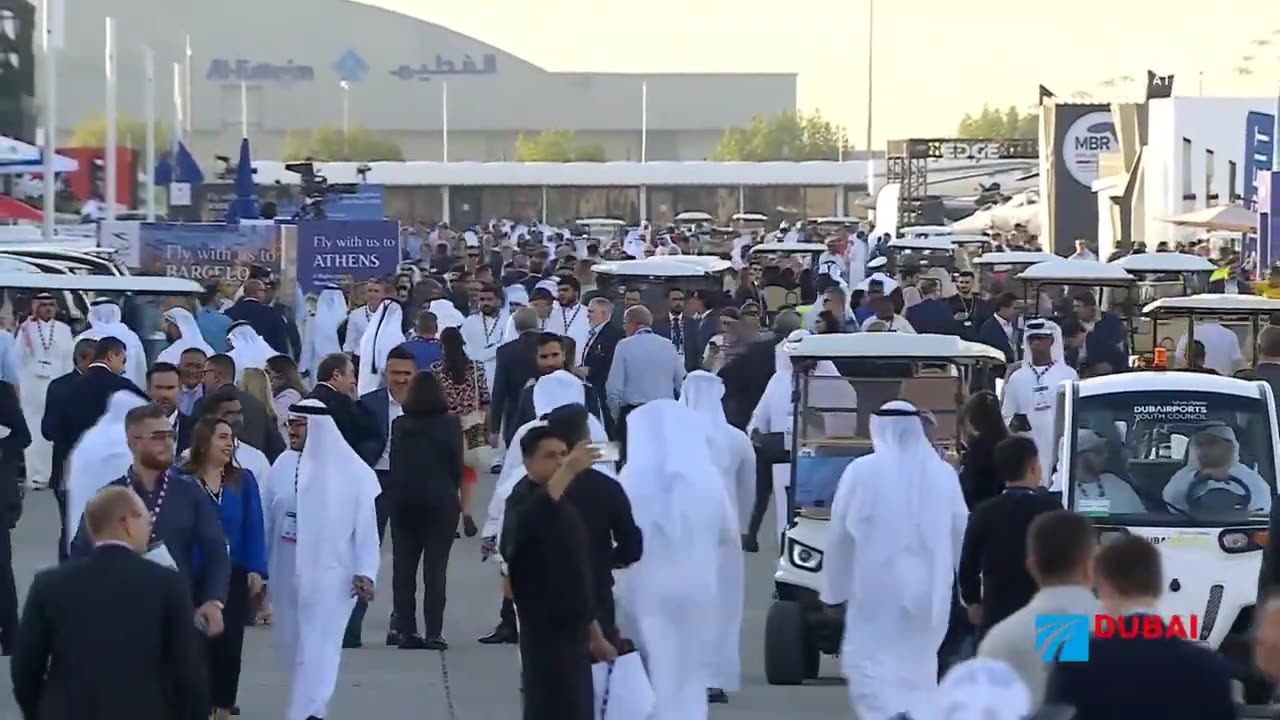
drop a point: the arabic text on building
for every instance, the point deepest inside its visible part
(444, 66)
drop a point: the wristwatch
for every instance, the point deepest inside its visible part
(218, 604)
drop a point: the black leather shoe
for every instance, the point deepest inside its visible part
(717, 696)
(436, 643)
(501, 635)
(393, 638)
(750, 544)
(469, 526)
(413, 642)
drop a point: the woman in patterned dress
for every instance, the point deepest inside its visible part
(467, 392)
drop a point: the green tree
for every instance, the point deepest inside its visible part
(785, 136)
(992, 123)
(130, 132)
(330, 144)
(557, 145)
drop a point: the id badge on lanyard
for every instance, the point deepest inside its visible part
(289, 533)
(1040, 398)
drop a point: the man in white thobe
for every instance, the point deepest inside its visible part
(384, 333)
(42, 351)
(248, 348)
(106, 320)
(322, 551)
(184, 334)
(358, 321)
(893, 547)
(569, 316)
(320, 336)
(1221, 348)
(1031, 393)
(669, 602)
(735, 459)
(482, 332)
(101, 455)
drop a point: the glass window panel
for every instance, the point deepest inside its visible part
(662, 203)
(562, 205)
(726, 205)
(526, 203)
(593, 203)
(820, 201)
(701, 199)
(495, 202)
(624, 204)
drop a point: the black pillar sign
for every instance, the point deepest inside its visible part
(1159, 86)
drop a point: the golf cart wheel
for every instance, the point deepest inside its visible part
(785, 649)
(812, 660)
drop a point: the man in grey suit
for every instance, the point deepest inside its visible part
(645, 367)
(1060, 555)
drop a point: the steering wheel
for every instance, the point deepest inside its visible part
(1217, 500)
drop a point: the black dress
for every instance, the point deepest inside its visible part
(544, 544)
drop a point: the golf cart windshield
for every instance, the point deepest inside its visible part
(834, 423)
(1172, 458)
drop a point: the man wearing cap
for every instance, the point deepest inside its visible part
(1031, 392)
(42, 352)
(1096, 489)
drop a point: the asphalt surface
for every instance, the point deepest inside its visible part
(378, 681)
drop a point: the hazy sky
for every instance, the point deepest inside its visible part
(934, 59)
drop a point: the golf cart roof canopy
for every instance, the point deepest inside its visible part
(968, 239)
(1164, 263)
(615, 222)
(894, 346)
(137, 284)
(834, 221)
(1159, 381)
(1078, 272)
(708, 263)
(789, 247)
(694, 216)
(750, 217)
(1213, 304)
(663, 267)
(1014, 257)
(920, 231)
(939, 244)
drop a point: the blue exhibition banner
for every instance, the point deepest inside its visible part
(1259, 149)
(1268, 207)
(206, 251)
(366, 203)
(341, 251)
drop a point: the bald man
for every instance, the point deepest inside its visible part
(266, 319)
(645, 367)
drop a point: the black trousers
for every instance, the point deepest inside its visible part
(381, 506)
(764, 494)
(225, 650)
(508, 614)
(621, 429)
(8, 593)
(60, 496)
(555, 670)
(421, 536)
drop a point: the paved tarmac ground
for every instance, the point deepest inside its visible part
(381, 682)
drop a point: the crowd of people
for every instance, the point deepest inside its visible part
(264, 453)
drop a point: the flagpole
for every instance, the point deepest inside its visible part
(177, 114)
(52, 11)
(244, 109)
(110, 149)
(186, 86)
(149, 62)
(644, 121)
(444, 122)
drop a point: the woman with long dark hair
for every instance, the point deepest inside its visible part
(287, 388)
(466, 393)
(427, 451)
(982, 427)
(234, 492)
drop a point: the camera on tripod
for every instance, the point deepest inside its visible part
(316, 189)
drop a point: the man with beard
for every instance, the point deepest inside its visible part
(482, 331)
(968, 308)
(568, 317)
(41, 352)
(358, 320)
(59, 406)
(185, 528)
(550, 357)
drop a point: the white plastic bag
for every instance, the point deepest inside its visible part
(622, 689)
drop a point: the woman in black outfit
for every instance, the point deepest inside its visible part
(983, 427)
(426, 473)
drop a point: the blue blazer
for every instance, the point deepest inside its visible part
(378, 403)
(992, 333)
(243, 526)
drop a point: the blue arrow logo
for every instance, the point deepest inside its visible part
(350, 67)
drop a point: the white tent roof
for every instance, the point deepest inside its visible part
(1230, 218)
(18, 157)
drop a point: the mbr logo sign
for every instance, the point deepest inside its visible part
(1062, 638)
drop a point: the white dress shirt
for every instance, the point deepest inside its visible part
(393, 411)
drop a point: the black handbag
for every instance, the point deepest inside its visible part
(772, 447)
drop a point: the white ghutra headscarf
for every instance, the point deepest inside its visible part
(385, 332)
(100, 456)
(248, 349)
(321, 337)
(188, 336)
(1038, 328)
(106, 320)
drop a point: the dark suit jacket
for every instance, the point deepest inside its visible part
(598, 357)
(11, 447)
(91, 392)
(258, 431)
(933, 316)
(695, 341)
(291, 330)
(58, 409)
(745, 378)
(1108, 342)
(378, 405)
(143, 664)
(1170, 679)
(354, 421)
(265, 319)
(182, 441)
(516, 365)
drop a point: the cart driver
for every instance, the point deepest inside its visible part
(1096, 490)
(1214, 464)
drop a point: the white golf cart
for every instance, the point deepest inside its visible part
(1188, 462)
(1160, 275)
(766, 254)
(924, 231)
(602, 229)
(997, 271)
(652, 277)
(830, 428)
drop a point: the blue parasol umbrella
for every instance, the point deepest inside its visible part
(245, 206)
(184, 170)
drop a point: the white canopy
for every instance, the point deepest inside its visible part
(895, 346)
(1163, 262)
(1228, 218)
(1212, 303)
(17, 158)
(1077, 272)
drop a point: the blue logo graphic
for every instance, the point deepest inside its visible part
(1062, 638)
(350, 67)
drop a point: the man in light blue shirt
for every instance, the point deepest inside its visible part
(8, 368)
(212, 323)
(645, 367)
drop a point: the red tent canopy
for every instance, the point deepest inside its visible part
(11, 209)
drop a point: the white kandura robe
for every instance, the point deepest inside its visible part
(320, 332)
(311, 592)
(106, 320)
(893, 546)
(249, 349)
(188, 337)
(482, 336)
(669, 601)
(571, 322)
(382, 336)
(1034, 392)
(39, 359)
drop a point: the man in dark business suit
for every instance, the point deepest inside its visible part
(335, 387)
(59, 406)
(602, 341)
(101, 379)
(258, 431)
(1168, 678)
(163, 381)
(266, 320)
(286, 312)
(11, 448)
(703, 324)
(517, 364)
(144, 664)
(1003, 332)
(674, 324)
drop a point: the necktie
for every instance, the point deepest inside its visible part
(677, 333)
